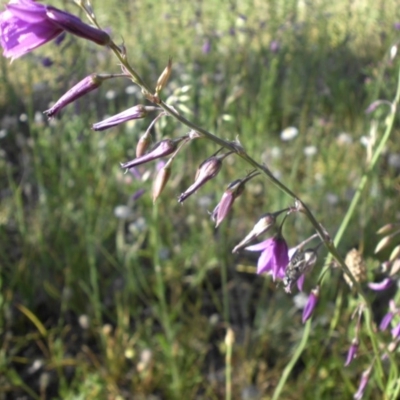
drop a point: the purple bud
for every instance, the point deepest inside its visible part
(311, 304)
(206, 46)
(207, 170)
(161, 149)
(395, 331)
(396, 26)
(386, 320)
(135, 112)
(86, 85)
(363, 384)
(352, 353)
(233, 191)
(74, 25)
(47, 62)
(266, 222)
(377, 286)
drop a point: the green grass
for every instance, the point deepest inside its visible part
(99, 307)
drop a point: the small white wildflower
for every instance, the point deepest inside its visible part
(289, 133)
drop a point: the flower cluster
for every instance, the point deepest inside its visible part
(26, 25)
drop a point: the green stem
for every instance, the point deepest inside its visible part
(160, 290)
(289, 367)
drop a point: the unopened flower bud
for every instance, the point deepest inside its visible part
(386, 320)
(266, 222)
(311, 304)
(163, 79)
(207, 170)
(232, 192)
(161, 149)
(352, 353)
(395, 253)
(160, 181)
(135, 112)
(74, 25)
(363, 384)
(383, 243)
(86, 85)
(386, 228)
(143, 144)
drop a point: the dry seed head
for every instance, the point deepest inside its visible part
(356, 265)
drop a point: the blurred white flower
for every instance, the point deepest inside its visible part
(310, 151)
(289, 133)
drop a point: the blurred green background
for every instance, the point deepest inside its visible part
(104, 296)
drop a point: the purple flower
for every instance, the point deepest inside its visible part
(74, 25)
(363, 384)
(266, 222)
(352, 353)
(135, 112)
(161, 149)
(232, 192)
(377, 286)
(395, 331)
(207, 170)
(386, 320)
(86, 85)
(274, 257)
(26, 25)
(311, 304)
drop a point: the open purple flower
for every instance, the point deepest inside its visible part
(274, 257)
(26, 25)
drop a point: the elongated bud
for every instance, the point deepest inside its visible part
(86, 85)
(384, 242)
(207, 170)
(232, 192)
(395, 253)
(143, 144)
(74, 25)
(164, 77)
(311, 304)
(386, 228)
(352, 353)
(161, 149)
(160, 181)
(363, 384)
(135, 112)
(266, 222)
